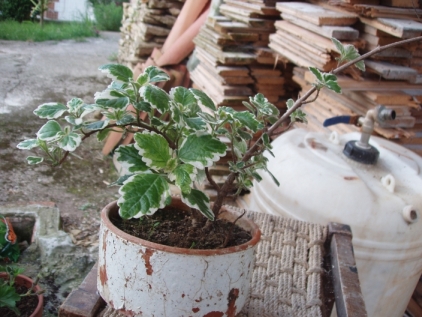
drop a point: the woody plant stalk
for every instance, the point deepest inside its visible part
(181, 137)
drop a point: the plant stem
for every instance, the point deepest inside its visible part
(224, 190)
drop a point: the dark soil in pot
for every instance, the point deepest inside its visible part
(26, 305)
(174, 227)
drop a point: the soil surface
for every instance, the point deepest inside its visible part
(174, 227)
(36, 73)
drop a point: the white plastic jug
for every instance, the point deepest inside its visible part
(381, 202)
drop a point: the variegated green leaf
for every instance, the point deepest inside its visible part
(156, 74)
(129, 158)
(157, 97)
(70, 141)
(201, 150)
(248, 120)
(32, 160)
(196, 123)
(126, 119)
(74, 105)
(184, 175)
(97, 125)
(154, 149)
(183, 96)
(49, 131)
(143, 194)
(198, 200)
(203, 99)
(51, 110)
(117, 72)
(27, 144)
(116, 103)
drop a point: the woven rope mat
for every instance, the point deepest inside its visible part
(286, 281)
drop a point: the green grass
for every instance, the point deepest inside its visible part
(52, 31)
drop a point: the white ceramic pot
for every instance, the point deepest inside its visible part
(141, 278)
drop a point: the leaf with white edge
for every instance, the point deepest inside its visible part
(203, 99)
(244, 135)
(248, 120)
(73, 120)
(316, 73)
(183, 96)
(184, 175)
(142, 79)
(157, 97)
(334, 86)
(117, 72)
(290, 103)
(117, 103)
(248, 106)
(201, 150)
(240, 147)
(156, 75)
(143, 194)
(198, 200)
(49, 131)
(154, 149)
(74, 105)
(348, 53)
(51, 110)
(27, 144)
(196, 123)
(32, 160)
(96, 125)
(70, 142)
(142, 106)
(208, 118)
(129, 158)
(126, 119)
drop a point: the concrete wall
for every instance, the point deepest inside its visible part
(69, 10)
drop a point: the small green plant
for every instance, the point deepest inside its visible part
(180, 140)
(39, 8)
(108, 14)
(8, 294)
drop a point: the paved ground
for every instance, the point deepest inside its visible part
(35, 73)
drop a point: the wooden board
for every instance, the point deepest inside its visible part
(375, 11)
(398, 27)
(378, 40)
(391, 71)
(226, 25)
(252, 22)
(316, 14)
(338, 32)
(347, 83)
(399, 3)
(254, 7)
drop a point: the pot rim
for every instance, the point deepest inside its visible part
(27, 280)
(249, 225)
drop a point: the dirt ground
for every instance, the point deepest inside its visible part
(35, 73)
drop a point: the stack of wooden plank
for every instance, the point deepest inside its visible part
(304, 35)
(392, 78)
(145, 25)
(235, 61)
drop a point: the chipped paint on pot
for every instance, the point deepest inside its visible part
(141, 278)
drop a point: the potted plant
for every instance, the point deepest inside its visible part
(175, 147)
(19, 294)
(181, 138)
